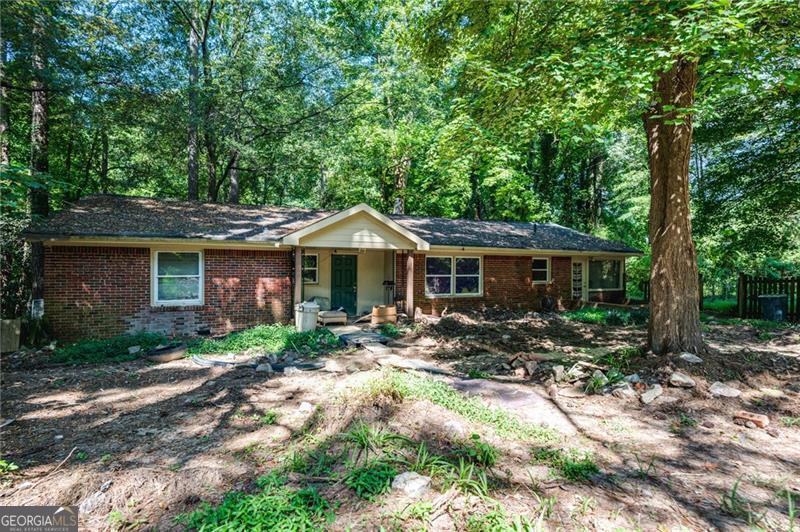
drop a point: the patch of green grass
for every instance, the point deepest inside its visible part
(469, 479)
(274, 507)
(426, 463)
(81, 456)
(606, 316)
(733, 504)
(621, 360)
(477, 374)
(371, 480)
(572, 464)
(790, 421)
(365, 438)
(401, 385)
(110, 350)
(268, 418)
(497, 520)
(272, 338)
(720, 305)
(389, 329)
(478, 451)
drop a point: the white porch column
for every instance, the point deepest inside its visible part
(298, 275)
(410, 284)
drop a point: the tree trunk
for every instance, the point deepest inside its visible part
(4, 154)
(400, 177)
(39, 196)
(104, 162)
(674, 299)
(211, 163)
(233, 191)
(192, 142)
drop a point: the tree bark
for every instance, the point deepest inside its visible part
(39, 197)
(674, 299)
(4, 154)
(192, 141)
(233, 190)
(400, 178)
(104, 185)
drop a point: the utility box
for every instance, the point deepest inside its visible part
(305, 316)
(773, 306)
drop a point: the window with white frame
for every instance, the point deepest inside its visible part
(311, 268)
(605, 274)
(452, 276)
(540, 270)
(178, 278)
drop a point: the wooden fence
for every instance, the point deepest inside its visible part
(749, 288)
(644, 286)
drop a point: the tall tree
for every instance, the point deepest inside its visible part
(569, 64)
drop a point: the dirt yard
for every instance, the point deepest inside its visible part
(136, 444)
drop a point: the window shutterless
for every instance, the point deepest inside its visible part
(452, 276)
(178, 278)
(605, 274)
(311, 268)
(540, 271)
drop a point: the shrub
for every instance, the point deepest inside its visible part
(479, 452)
(605, 316)
(275, 507)
(389, 329)
(110, 350)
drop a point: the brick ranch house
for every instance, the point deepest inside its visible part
(121, 264)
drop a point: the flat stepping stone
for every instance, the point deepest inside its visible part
(361, 338)
(378, 349)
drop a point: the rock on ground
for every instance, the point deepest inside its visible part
(719, 389)
(412, 484)
(691, 358)
(650, 395)
(681, 380)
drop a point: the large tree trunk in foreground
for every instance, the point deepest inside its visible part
(674, 305)
(38, 196)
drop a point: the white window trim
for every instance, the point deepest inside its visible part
(548, 270)
(154, 280)
(619, 280)
(316, 270)
(453, 276)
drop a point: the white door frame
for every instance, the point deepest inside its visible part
(584, 262)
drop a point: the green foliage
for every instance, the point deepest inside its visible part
(389, 329)
(424, 462)
(605, 316)
(271, 338)
(417, 386)
(725, 307)
(477, 374)
(572, 464)
(477, 451)
(111, 350)
(621, 361)
(469, 479)
(274, 507)
(7, 468)
(365, 438)
(371, 480)
(788, 421)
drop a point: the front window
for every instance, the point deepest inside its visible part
(452, 276)
(540, 271)
(311, 269)
(605, 275)
(178, 278)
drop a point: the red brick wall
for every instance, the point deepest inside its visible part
(103, 291)
(506, 283)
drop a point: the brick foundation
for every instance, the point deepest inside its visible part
(98, 292)
(506, 283)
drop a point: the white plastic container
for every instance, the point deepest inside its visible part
(305, 316)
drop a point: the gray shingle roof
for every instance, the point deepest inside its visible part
(136, 217)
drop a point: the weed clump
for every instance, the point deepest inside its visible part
(275, 507)
(571, 464)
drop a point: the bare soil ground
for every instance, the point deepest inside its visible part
(145, 442)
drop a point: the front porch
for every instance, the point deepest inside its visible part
(350, 261)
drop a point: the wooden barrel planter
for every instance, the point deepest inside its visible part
(167, 354)
(384, 314)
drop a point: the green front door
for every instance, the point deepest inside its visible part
(343, 282)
